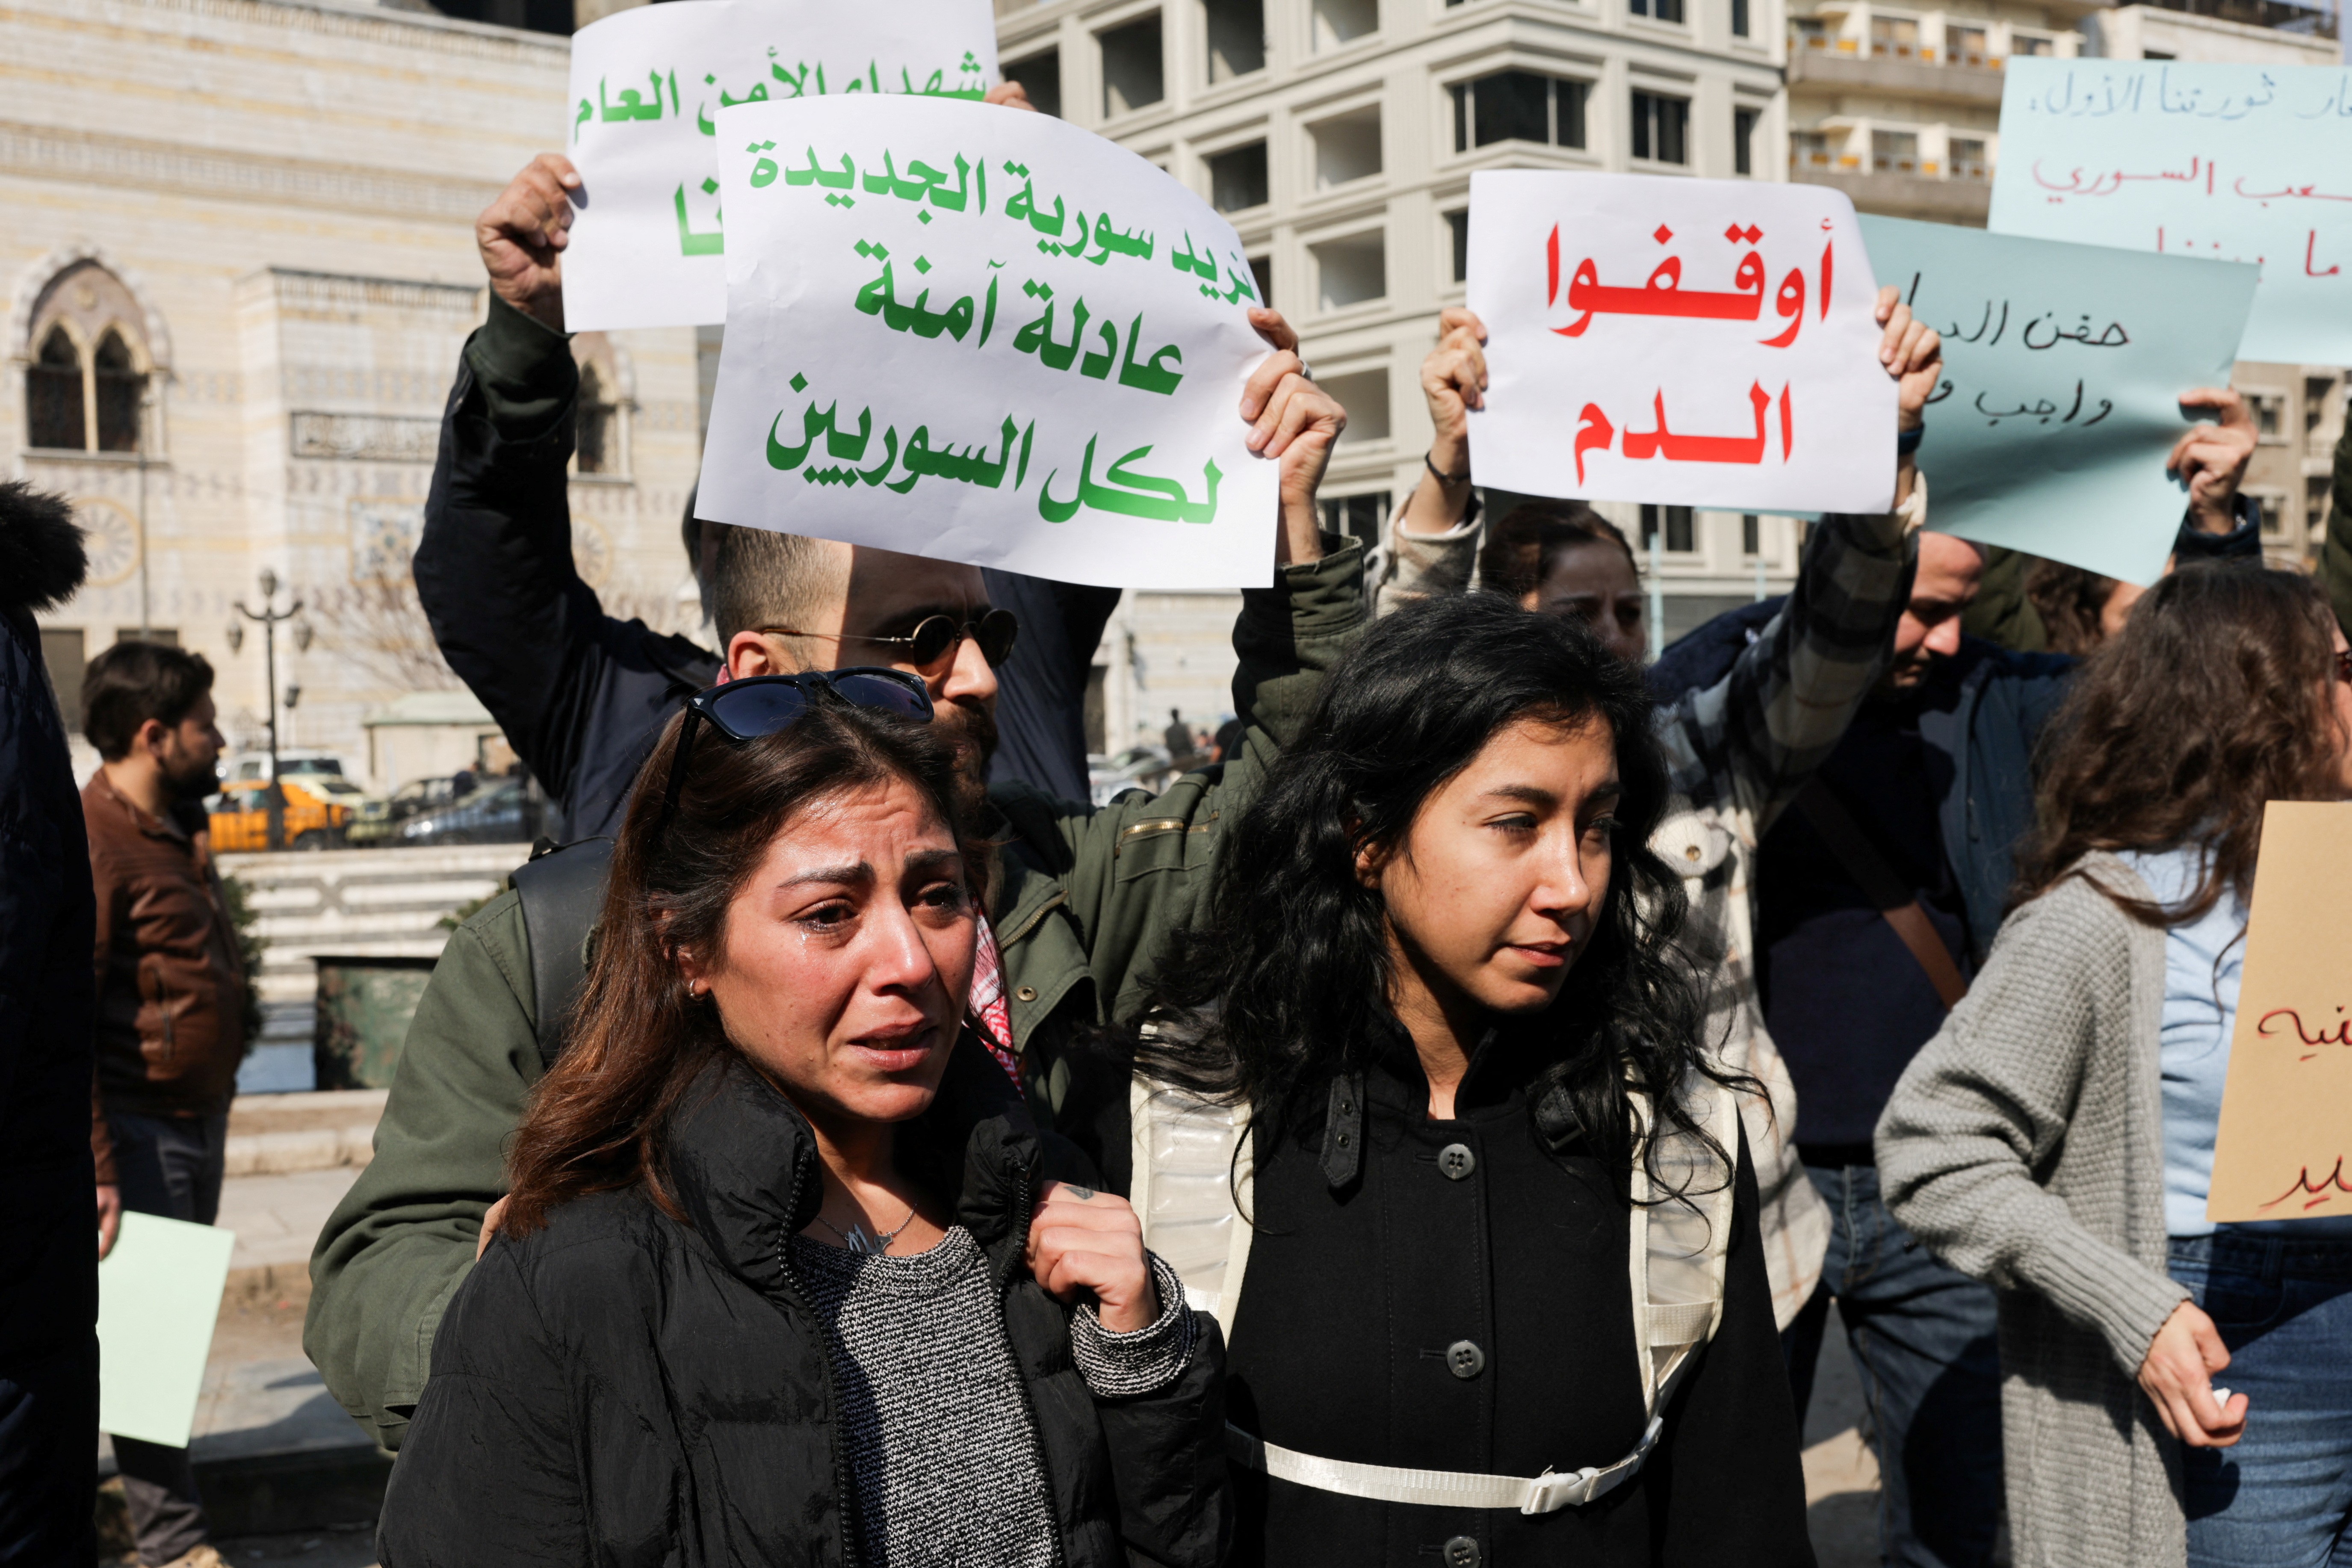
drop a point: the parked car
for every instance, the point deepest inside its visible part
(315, 817)
(414, 797)
(1137, 767)
(503, 811)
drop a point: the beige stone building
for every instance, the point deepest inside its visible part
(238, 260)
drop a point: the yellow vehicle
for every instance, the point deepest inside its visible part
(241, 821)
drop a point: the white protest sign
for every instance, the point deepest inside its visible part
(970, 333)
(2224, 162)
(647, 87)
(1700, 343)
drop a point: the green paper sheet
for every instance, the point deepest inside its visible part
(2063, 367)
(158, 1294)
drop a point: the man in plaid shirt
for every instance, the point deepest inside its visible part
(1740, 749)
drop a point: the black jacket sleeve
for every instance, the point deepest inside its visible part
(1168, 1456)
(491, 1472)
(578, 692)
(1041, 689)
(1732, 1487)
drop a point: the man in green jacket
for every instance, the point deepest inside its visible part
(1080, 898)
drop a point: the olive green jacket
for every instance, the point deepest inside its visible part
(1083, 900)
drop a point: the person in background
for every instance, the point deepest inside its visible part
(48, 1288)
(1562, 558)
(171, 1001)
(2080, 609)
(1178, 738)
(2055, 1139)
(2220, 524)
(790, 1273)
(1743, 736)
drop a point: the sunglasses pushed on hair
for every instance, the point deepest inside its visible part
(760, 705)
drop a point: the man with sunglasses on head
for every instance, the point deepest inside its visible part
(1080, 899)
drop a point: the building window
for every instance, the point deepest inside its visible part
(1658, 10)
(1457, 229)
(1751, 534)
(1365, 396)
(1351, 271)
(1519, 106)
(2315, 504)
(86, 373)
(1131, 68)
(1336, 24)
(2027, 44)
(1236, 37)
(1040, 76)
(2269, 409)
(1262, 274)
(1237, 178)
(1681, 537)
(2273, 515)
(1809, 150)
(1743, 139)
(1966, 46)
(597, 420)
(1966, 157)
(1894, 39)
(63, 653)
(1808, 33)
(1895, 152)
(1661, 128)
(1739, 18)
(1366, 517)
(53, 411)
(1347, 147)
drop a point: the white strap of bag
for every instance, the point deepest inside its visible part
(1546, 1493)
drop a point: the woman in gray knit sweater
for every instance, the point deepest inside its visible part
(2056, 1138)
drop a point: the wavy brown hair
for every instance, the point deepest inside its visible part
(1519, 551)
(2216, 697)
(598, 1119)
(2071, 602)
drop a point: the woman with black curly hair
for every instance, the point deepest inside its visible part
(1421, 1115)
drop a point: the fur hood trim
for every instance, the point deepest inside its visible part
(42, 557)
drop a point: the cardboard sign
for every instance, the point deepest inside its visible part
(2063, 365)
(1705, 342)
(964, 331)
(158, 1294)
(2230, 163)
(2284, 1149)
(647, 87)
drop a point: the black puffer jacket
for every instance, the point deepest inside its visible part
(588, 1401)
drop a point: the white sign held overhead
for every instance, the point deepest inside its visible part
(1697, 342)
(2223, 163)
(647, 87)
(981, 335)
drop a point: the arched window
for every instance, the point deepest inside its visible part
(117, 392)
(598, 435)
(53, 410)
(86, 376)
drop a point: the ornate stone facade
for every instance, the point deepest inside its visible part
(239, 266)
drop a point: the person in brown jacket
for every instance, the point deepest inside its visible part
(171, 1001)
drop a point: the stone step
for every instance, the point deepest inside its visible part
(277, 1134)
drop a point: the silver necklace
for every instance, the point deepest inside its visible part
(860, 1240)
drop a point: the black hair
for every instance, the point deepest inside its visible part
(132, 682)
(1283, 983)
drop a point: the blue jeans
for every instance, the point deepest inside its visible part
(171, 1166)
(2281, 1496)
(1923, 1339)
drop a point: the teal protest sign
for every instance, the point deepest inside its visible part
(2229, 163)
(2063, 367)
(158, 1294)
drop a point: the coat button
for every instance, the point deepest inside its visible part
(1456, 1162)
(1464, 1360)
(1461, 1552)
(1027, 993)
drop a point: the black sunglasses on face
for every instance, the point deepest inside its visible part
(934, 639)
(760, 705)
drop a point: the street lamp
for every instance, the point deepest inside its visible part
(269, 616)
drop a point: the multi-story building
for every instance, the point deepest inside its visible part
(239, 261)
(1340, 136)
(1900, 107)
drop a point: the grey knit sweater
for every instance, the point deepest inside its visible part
(2025, 1146)
(935, 1428)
